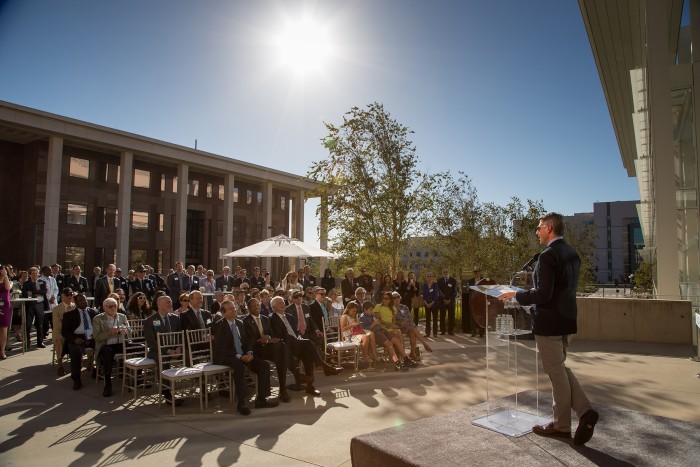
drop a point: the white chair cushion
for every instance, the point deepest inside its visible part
(140, 362)
(181, 372)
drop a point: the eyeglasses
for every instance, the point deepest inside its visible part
(109, 306)
(140, 298)
(184, 300)
(539, 227)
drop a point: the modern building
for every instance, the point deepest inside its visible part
(618, 242)
(648, 58)
(79, 193)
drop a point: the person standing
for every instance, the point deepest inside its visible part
(35, 288)
(76, 282)
(554, 315)
(5, 309)
(431, 298)
(448, 296)
(106, 285)
(178, 282)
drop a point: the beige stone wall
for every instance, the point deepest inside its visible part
(662, 321)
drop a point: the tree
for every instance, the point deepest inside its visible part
(372, 186)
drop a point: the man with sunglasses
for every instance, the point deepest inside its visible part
(554, 315)
(111, 328)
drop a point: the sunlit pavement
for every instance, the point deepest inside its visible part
(44, 422)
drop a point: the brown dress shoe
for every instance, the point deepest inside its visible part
(549, 431)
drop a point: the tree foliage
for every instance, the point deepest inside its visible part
(372, 186)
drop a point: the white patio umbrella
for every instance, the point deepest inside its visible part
(281, 246)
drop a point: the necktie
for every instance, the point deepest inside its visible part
(111, 285)
(323, 309)
(302, 321)
(200, 319)
(236, 339)
(166, 323)
(259, 323)
(287, 325)
(86, 322)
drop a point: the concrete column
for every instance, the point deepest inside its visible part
(298, 215)
(52, 202)
(180, 224)
(228, 216)
(267, 221)
(126, 165)
(323, 233)
(659, 95)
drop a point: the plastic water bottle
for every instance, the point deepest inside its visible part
(510, 323)
(499, 323)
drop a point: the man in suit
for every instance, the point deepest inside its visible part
(218, 300)
(466, 307)
(259, 333)
(106, 285)
(554, 315)
(308, 280)
(122, 282)
(156, 279)
(365, 281)
(178, 282)
(195, 317)
(448, 296)
(241, 278)
(231, 349)
(33, 287)
(59, 277)
(306, 325)
(96, 274)
(77, 330)
(285, 327)
(162, 321)
(258, 280)
(318, 309)
(142, 283)
(193, 279)
(111, 328)
(76, 282)
(225, 279)
(348, 286)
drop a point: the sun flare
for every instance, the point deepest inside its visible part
(304, 46)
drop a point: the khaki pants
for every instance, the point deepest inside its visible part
(567, 393)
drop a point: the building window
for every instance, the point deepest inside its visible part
(161, 222)
(139, 220)
(283, 203)
(221, 192)
(235, 195)
(174, 184)
(142, 178)
(162, 182)
(75, 256)
(106, 217)
(79, 168)
(138, 257)
(112, 173)
(248, 197)
(195, 187)
(77, 214)
(210, 190)
(259, 197)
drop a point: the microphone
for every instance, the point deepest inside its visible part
(528, 265)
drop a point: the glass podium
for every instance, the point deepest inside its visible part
(511, 366)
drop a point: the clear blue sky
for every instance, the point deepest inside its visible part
(506, 91)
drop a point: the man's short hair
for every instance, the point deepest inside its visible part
(275, 300)
(556, 220)
(367, 305)
(67, 291)
(297, 294)
(360, 290)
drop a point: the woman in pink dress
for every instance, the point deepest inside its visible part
(5, 309)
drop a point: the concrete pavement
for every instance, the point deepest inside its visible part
(44, 422)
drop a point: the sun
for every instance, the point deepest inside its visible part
(304, 46)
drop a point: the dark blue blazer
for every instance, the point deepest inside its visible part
(555, 279)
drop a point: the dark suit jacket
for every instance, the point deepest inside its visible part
(252, 331)
(78, 284)
(188, 319)
(348, 288)
(258, 282)
(102, 290)
(309, 281)
(154, 325)
(177, 285)
(221, 282)
(224, 350)
(448, 288)
(146, 286)
(279, 330)
(237, 281)
(71, 320)
(317, 314)
(311, 328)
(194, 283)
(61, 281)
(555, 280)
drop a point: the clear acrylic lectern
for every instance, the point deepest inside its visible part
(510, 366)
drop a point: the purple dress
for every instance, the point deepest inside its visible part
(6, 308)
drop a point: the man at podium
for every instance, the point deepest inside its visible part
(554, 313)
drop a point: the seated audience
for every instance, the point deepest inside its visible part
(164, 320)
(230, 349)
(57, 318)
(138, 307)
(352, 330)
(405, 323)
(77, 331)
(111, 328)
(392, 344)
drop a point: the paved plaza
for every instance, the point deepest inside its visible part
(44, 422)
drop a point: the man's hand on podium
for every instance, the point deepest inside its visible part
(507, 295)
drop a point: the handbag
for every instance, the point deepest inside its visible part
(417, 302)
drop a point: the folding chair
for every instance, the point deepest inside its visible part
(335, 347)
(172, 369)
(199, 349)
(135, 360)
